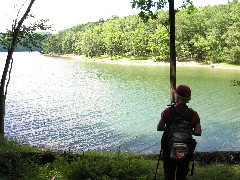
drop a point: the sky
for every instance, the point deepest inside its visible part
(63, 14)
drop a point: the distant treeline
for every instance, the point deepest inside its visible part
(5, 40)
(209, 33)
(21, 49)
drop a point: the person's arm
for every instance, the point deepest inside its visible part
(164, 117)
(161, 125)
(197, 131)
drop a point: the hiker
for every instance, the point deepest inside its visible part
(174, 167)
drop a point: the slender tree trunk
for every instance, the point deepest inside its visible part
(11, 49)
(172, 51)
(3, 91)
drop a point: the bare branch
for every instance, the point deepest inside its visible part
(17, 29)
(18, 14)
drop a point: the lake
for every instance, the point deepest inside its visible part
(65, 104)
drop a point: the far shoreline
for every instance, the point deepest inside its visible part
(148, 62)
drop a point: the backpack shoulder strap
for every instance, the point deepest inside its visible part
(188, 117)
(189, 114)
(172, 114)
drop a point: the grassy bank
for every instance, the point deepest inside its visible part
(24, 162)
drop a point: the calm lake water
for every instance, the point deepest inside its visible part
(66, 104)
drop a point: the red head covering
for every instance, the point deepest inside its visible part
(183, 90)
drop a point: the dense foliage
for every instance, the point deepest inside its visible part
(24, 162)
(206, 34)
(21, 49)
(30, 45)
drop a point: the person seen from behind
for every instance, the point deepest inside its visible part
(172, 167)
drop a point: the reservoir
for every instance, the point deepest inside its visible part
(66, 104)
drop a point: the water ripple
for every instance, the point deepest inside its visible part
(62, 104)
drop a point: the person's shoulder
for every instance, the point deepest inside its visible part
(167, 110)
(195, 112)
(195, 117)
(191, 109)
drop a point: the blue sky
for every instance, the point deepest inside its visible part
(63, 14)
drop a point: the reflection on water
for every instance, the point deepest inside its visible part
(63, 104)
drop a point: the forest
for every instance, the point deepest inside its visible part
(206, 34)
(20, 47)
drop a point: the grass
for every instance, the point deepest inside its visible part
(10, 146)
(217, 172)
(25, 162)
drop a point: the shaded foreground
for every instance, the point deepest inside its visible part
(25, 162)
(204, 158)
(34, 164)
(109, 165)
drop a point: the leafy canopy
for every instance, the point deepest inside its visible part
(28, 36)
(149, 7)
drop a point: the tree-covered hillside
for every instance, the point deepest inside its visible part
(20, 48)
(210, 33)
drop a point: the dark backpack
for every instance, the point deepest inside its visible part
(177, 141)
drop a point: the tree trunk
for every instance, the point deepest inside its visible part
(2, 92)
(172, 51)
(11, 49)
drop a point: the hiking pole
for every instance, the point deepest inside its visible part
(159, 157)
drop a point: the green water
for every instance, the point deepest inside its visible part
(65, 104)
